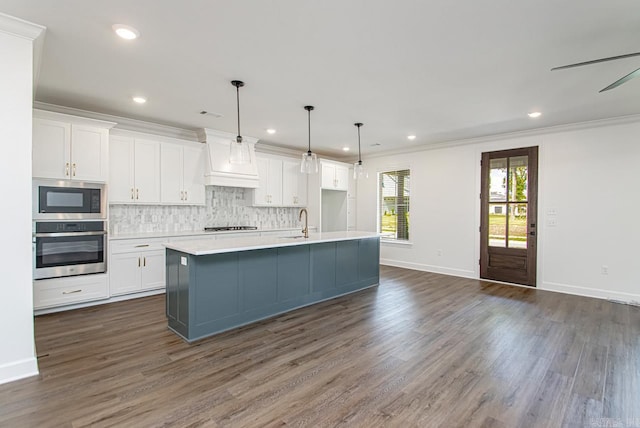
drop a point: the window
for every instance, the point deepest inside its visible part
(394, 204)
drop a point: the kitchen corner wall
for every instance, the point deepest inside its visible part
(225, 206)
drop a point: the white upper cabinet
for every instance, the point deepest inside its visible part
(269, 191)
(182, 174)
(334, 176)
(70, 148)
(280, 183)
(134, 176)
(294, 184)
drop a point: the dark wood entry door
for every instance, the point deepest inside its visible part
(509, 201)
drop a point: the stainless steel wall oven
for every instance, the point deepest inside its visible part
(66, 248)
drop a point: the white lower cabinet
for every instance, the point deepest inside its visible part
(48, 293)
(136, 265)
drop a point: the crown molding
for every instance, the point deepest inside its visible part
(30, 31)
(621, 120)
(123, 123)
(19, 27)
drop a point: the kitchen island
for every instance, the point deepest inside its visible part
(214, 286)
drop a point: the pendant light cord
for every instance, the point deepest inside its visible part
(309, 116)
(239, 137)
(358, 125)
(359, 152)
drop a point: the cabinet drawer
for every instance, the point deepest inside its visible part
(63, 291)
(136, 245)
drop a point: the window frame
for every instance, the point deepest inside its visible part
(389, 239)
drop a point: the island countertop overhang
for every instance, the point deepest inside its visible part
(201, 248)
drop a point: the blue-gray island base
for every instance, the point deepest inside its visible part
(211, 293)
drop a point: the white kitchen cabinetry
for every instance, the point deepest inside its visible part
(334, 176)
(269, 191)
(70, 148)
(134, 171)
(294, 184)
(327, 195)
(49, 293)
(280, 183)
(182, 174)
(136, 265)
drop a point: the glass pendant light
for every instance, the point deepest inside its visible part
(309, 163)
(238, 150)
(358, 169)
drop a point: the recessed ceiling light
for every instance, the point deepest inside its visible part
(534, 114)
(411, 137)
(271, 131)
(126, 32)
(139, 100)
(345, 149)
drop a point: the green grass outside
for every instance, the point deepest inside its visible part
(389, 223)
(517, 227)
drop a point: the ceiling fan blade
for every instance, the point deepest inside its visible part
(596, 61)
(622, 80)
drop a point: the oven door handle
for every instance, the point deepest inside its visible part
(64, 234)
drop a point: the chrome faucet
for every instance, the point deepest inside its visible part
(306, 221)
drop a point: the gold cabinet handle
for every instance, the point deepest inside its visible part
(142, 245)
(74, 169)
(181, 195)
(132, 194)
(137, 194)
(72, 292)
(66, 169)
(144, 261)
(186, 195)
(138, 261)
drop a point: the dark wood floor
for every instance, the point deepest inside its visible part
(420, 350)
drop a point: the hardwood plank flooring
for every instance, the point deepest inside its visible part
(420, 350)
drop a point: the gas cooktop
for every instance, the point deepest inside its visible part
(223, 228)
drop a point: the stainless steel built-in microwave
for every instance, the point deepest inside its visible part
(67, 200)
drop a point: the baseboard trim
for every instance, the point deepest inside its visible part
(98, 302)
(18, 370)
(615, 296)
(429, 268)
(598, 293)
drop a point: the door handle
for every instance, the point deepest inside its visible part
(74, 169)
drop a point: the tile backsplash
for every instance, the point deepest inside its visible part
(224, 206)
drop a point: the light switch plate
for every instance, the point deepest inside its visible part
(183, 260)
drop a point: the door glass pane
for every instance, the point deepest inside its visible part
(518, 178)
(517, 225)
(498, 180)
(498, 225)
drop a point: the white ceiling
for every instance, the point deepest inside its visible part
(439, 69)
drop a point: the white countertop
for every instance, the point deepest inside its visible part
(201, 248)
(147, 235)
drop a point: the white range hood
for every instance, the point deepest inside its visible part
(221, 172)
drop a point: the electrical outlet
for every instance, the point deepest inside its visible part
(604, 270)
(552, 222)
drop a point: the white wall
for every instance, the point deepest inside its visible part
(588, 175)
(17, 358)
